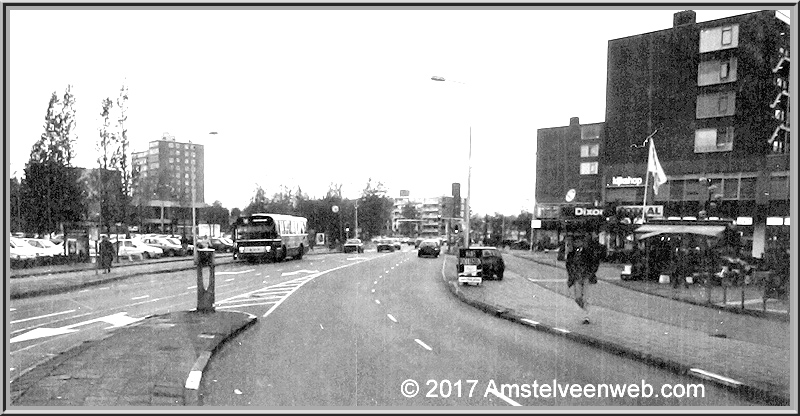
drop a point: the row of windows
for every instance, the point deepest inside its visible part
(590, 150)
(172, 145)
(588, 168)
(178, 160)
(290, 227)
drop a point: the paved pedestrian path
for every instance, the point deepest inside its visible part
(757, 368)
(150, 363)
(729, 299)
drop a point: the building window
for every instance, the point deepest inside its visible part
(590, 150)
(186, 175)
(730, 188)
(589, 168)
(676, 190)
(154, 165)
(727, 36)
(723, 104)
(713, 140)
(724, 70)
(178, 175)
(779, 187)
(153, 145)
(591, 132)
(186, 183)
(171, 145)
(747, 188)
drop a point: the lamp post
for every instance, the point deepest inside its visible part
(355, 233)
(469, 173)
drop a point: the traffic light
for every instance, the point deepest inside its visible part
(456, 228)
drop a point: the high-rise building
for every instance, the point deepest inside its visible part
(165, 178)
(706, 92)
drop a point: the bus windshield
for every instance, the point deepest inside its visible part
(257, 231)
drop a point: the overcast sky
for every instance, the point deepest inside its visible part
(309, 97)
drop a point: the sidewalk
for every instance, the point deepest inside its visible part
(729, 300)
(757, 370)
(155, 362)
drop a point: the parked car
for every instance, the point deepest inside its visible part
(168, 245)
(220, 244)
(385, 245)
(353, 244)
(406, 240)
(429, 247)
(20, 250)
(149, 252)
(189, 246)
(397, 244)
(128, 248)
(417, 241)
(46, 246)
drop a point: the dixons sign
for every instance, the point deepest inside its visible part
(584, 212)
(626, 181)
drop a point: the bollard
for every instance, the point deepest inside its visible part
(205, 293)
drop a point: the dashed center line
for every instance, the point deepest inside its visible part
(140, 297)
(391, 317)
(41, 316)
(377, 301)
(424, 345)
(228, 280)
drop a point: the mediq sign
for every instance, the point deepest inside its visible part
(626, 181)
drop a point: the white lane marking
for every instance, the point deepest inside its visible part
(377, 301)
(534, 323)
(375, 282)
(228, 280)
(502, 396)
(104, 288)
(246, 304)
(373, 290)
(193, 381)
(192, 287)
(562, 330)
(141, 297)
(84, 290)
(12, 309)
(546, 280)
(298, 272)
(320, 326)
(423, 345)
(709, 375)
(237, 272)
(391, 317)
(42, 316)
(116, 320)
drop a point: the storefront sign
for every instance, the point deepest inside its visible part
(744, 221)
(583, 212)
(626, 181)
(536, 223)
(656, 211)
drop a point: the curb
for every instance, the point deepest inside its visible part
(731, 309)
(191, 392)
(752, 393)
(90, 268)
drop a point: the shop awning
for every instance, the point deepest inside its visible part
(651, 230)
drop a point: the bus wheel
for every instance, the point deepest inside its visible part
(300, 253)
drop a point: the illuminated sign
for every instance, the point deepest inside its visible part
(580, 211)
(626, 181)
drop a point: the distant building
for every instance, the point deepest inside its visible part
(716, 96)
(432, 214)
(165, 176)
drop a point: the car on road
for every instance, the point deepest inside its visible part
(148, 251)
(397, 244)
(169, 246)
(177, 240)
(417, 241)
(353, 245)
(385, 245)
(46, 246)
(429, 247)
(220, 244)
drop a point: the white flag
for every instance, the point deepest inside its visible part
(653, 165)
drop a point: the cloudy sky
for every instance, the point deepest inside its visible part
(309, 97)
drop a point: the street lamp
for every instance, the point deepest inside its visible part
(469, 173)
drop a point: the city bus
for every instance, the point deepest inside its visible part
(269, 237)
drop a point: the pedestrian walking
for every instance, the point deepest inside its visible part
(582, 263)
(106, 254)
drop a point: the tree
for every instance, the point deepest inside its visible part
(107, 159)
(408, 212)
(125, 192)
(49, 193)
(374, 209)
(217, 214)
(258, 203)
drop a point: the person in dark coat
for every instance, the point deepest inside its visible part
(582, 264)
(106, 254)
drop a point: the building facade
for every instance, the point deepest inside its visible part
(710, 95)
(433, 215)
(167, 177)
(568, 173)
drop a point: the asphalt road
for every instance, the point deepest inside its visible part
(44, 326)
(355, 330)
